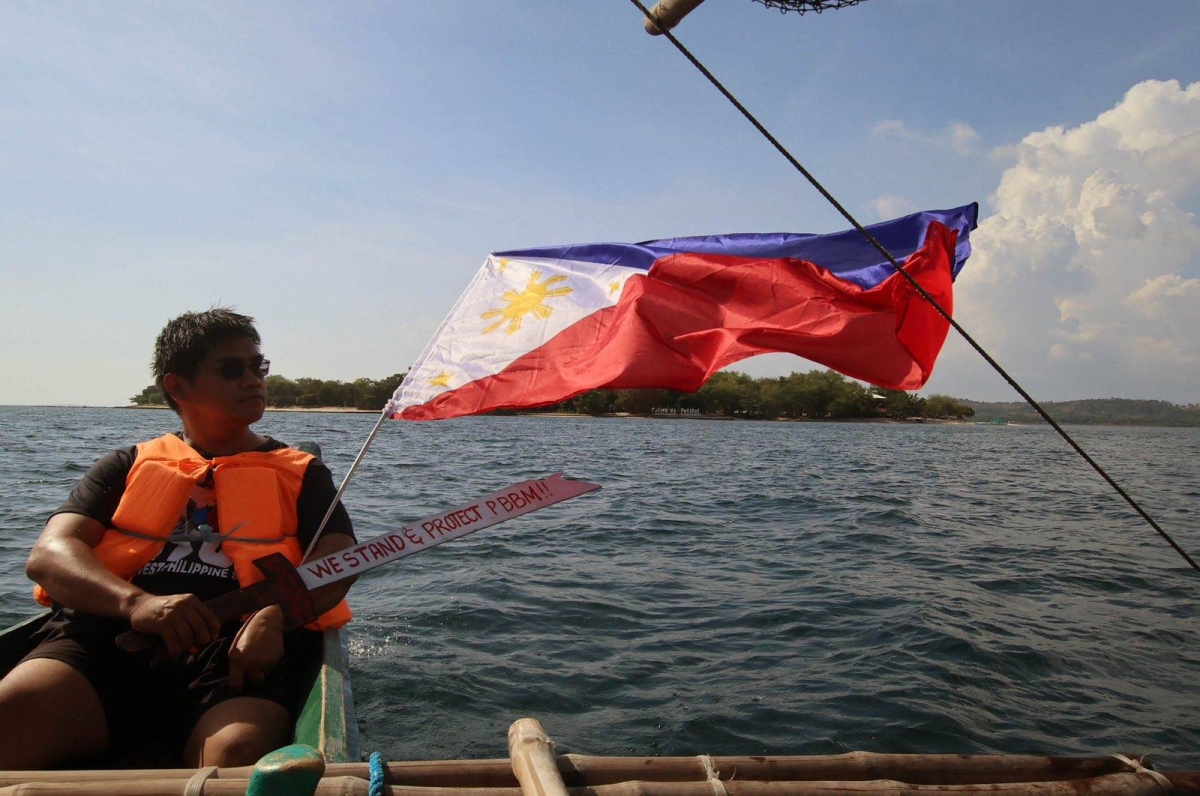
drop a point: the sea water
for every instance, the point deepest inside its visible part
(740, 588)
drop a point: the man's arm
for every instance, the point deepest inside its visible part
(64, 563)
(258, 646)
(326, 597)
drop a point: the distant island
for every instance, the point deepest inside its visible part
(813, 395)
(1093, 412)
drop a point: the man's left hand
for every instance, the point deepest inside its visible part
(256, 649)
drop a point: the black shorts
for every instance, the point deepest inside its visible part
(160, 701)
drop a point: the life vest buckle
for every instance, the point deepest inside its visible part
(202, 533)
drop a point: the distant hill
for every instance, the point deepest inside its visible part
(1093, 412)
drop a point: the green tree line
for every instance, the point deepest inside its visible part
(814, 394)
(284, 393)
(1096, 412)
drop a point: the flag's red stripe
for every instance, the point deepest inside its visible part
(694, 314)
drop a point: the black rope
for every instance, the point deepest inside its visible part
(912, 281)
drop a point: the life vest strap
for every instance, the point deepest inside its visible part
(198, 534)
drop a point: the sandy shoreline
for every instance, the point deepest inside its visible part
(342, 410)
(619, 415)
(330, 409)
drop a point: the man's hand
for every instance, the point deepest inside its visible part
(181, 620)
(256, 649)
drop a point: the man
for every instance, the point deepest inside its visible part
(149, 535)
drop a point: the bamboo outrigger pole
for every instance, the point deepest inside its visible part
(533, 769)
(666, 14)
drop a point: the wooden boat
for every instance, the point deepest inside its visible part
(326, 720)
(533, 769)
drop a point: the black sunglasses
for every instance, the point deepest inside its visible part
(232, 369)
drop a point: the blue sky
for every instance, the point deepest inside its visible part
(340, 171)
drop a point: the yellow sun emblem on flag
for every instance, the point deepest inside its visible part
(528, 301)
(440, 380)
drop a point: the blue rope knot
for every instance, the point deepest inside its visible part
(375, 787)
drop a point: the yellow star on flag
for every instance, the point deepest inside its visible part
(440, 380)
(528, 301)
(613, 287)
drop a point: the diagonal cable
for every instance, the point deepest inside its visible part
(913, 282)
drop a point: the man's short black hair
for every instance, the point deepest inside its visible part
(185, 341)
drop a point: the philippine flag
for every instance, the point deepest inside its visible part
(538, 326)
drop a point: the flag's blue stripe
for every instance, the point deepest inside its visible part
(847, 254)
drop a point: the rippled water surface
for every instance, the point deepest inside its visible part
(741, 587)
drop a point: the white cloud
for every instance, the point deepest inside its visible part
(1086, 276)
(962, 137)
(1166, 293)
(891, 127)
(958, 137)
(1165, 353)
(890, 206)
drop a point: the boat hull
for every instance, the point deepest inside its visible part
(325, 719)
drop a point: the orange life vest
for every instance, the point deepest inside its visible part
(256, 496)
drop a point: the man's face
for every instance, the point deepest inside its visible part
(213, 396)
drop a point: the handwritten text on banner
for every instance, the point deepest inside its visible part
(485, 512)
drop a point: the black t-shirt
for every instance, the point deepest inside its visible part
(198, 567)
